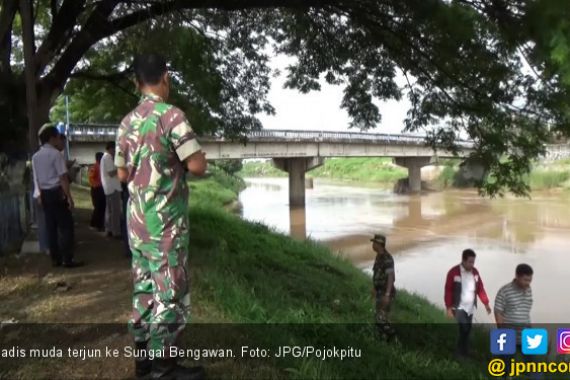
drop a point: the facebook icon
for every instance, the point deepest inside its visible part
(503, 342)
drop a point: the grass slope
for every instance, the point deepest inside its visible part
(246, 273)
(353, 169)
(249, 274)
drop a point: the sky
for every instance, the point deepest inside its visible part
(320, 110)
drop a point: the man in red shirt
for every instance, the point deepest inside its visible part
(462, 287)
(97, 195)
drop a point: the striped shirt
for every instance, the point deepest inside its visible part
(514, 303)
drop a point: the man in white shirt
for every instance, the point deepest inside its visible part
(50, 174)
(462, 286)
(112, 189)
(40, 217)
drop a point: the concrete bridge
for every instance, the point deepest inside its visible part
(295, 152)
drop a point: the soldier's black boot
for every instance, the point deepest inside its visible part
(143, 365)
(169, 369)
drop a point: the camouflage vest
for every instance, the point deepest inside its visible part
(383, 266)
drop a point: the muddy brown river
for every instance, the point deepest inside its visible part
(427, 234)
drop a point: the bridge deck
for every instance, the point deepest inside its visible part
(101, 133)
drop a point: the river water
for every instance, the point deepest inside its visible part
(426, 235)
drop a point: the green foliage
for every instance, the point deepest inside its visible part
(231, 167)
(218, 82)
(353, 169)
(217, 190)
(547, 179)
(260, 169)
(464, 65)
(361, 169)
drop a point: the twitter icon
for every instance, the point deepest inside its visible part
(534, 342)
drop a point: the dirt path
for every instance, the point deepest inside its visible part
(100, 291)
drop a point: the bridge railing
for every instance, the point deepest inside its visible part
(103, 132)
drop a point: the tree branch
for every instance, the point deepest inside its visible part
(53, 8)
(7, 14)
(113, 79)
(62, 27)
(98, 27)
(26, 14)
(161, 8)
(106, 77)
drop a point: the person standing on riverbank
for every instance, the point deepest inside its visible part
(51, 176)
(383, 279)
(514, 300)
(112, 189)
(155, 147)
(97, 195)
(462, 287)
(512, 310)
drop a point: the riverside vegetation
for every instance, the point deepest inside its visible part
(544, 175)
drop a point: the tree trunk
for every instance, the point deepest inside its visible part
(30, 77)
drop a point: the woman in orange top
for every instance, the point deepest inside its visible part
(97, 195)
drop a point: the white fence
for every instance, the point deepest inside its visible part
(557, 152)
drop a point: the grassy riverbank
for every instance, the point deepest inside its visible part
(241, 273)
(216, 190)
(352, 169)
(544, 176)
(246, 273)
(551, 175)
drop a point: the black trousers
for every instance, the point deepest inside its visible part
(98, 200)
(59, 223)
(124, 231)
(464, 322)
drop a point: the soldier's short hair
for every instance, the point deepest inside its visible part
(110, 145)
(149, 68)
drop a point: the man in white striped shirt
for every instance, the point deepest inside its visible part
(514, 300)
(512, 310)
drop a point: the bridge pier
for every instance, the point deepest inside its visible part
(297, 167)
(414, 166)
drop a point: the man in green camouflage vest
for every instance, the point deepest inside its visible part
(383, 279)
(155, 147)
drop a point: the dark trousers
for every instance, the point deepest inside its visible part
(99, 203)
(124, 231)
(59, 223)
(464, 321)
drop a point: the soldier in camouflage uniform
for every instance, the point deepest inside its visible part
(383, 279)
(155, 147)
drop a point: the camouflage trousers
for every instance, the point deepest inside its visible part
(385, 328)
(161, 296)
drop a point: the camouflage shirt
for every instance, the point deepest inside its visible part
(383, 266)
(152, 143)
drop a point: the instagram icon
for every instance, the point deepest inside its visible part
(563, 343)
